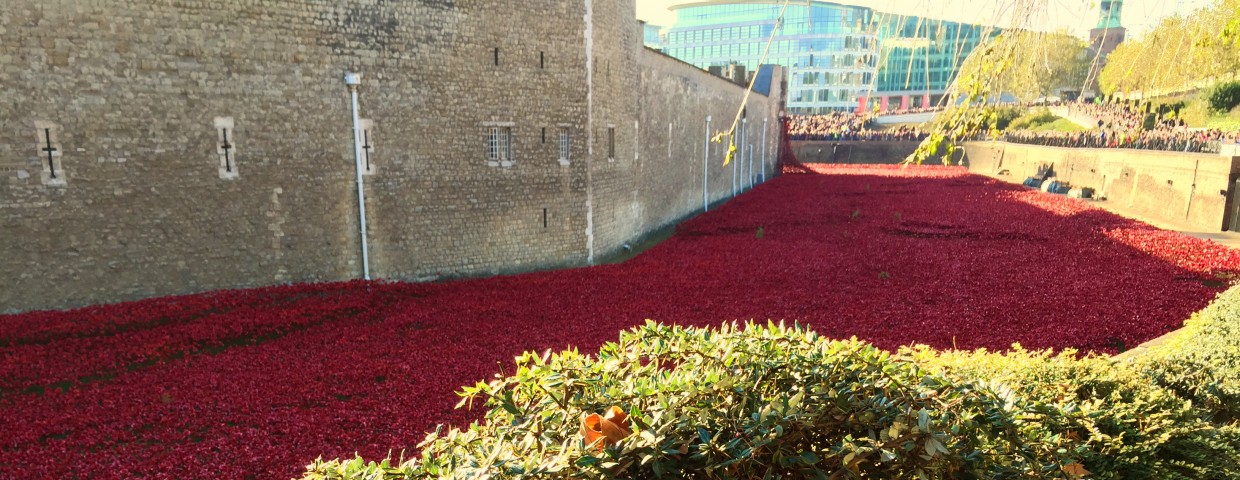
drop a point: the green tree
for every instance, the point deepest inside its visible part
(1046, 64)
(1181, 53)
(1231, 32)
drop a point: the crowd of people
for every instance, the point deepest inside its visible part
(1123, 125)
(827, 126)
(909, 111)
(906, 133)
(1118, 125)
(846, 127)
(1180, 140)
(1110, 116)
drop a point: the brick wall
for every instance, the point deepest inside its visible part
(135, 97)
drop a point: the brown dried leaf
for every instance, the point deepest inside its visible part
(1075, 470)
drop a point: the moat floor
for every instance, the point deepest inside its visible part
(257, 383)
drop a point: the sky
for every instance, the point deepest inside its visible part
(1075, 16)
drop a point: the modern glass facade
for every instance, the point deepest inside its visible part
(920, 59)
(830, 54)
(652, 36)
(839, 57)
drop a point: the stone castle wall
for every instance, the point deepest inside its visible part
(1187, 188)
(133, 99)
(854, 152)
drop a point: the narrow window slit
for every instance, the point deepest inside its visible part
(366, 146)
(369, 149)
(51, 151)
(227, 147)
(611, 143)
(47, 145)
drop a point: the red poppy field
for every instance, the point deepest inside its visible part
(256, 383)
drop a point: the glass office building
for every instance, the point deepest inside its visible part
(920, 58)
(829, 51)
(839, 57)
(652, 36)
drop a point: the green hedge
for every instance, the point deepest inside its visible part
(1224, 97)
(776, 402)
(1033, 119)
(1004, 116)
(1123, 425)
(1202, 362)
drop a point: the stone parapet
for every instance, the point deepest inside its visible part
(1195, 189)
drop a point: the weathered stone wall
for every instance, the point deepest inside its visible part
(862, 153)
(665, 181)
(135, 98)
(437, 208)
(1191, 188)
(132, 90)
(637, 92)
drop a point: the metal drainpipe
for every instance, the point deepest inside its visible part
(706, 170)
(751, 166)
(354, 80)
(764, 145)
(739, 141)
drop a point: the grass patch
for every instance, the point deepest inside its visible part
(1059, 125)
(1195, 111)
(1042, 120)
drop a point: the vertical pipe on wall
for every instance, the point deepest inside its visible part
(764, 142)
(1192, 189)
(734, 162)
(744, 153)
(751, 166)
(744, 158)
(589, 39)
(354, 80)
(744, 168)
(740, 159)
(706, 170)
